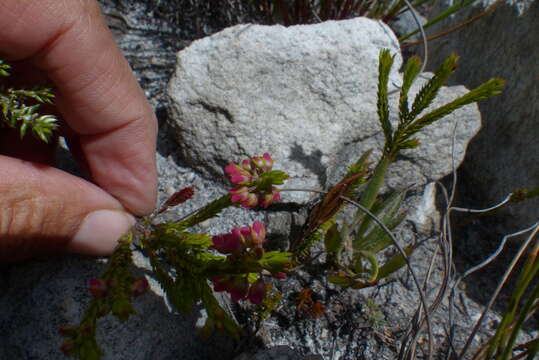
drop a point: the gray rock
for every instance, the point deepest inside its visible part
(305, 94)
(406, 23)
(38, 298)
(505, 154)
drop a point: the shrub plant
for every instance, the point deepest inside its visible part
(191, 266)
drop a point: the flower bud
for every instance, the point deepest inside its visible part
(258, 233)
(239, 194)
(227, 244)
(97, 287)
(250, 201)
(239, 288)
(246, 165)
(238, 174)
(220, 283)
(257, 291)
(280, 275)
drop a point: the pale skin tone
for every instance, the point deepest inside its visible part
(110, 125)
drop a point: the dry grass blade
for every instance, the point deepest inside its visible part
(535, 230)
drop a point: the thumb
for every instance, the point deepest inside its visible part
(44, 210)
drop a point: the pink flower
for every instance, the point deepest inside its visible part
(220, 283)
(239, 288)
(238, 174)
(280, 275)
(257, 292)
(250, 201)
(247, 174)
(97, 287)
(257, 233)
(265, 199)
(227, 244)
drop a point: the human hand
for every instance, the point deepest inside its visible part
(110, 126)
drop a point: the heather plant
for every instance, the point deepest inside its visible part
(191, 266)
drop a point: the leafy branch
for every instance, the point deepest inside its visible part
(20, 107)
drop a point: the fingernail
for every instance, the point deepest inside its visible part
(99, 232)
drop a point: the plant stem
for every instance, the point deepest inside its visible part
(373, 188)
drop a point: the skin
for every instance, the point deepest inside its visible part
(110, 127)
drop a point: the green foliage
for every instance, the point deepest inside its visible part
(323, 215)
(385, 64)
(361, 268)
(115, 298)
(208, 212)
(20, 107)
(184, 264)
(523, 303)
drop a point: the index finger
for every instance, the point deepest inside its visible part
(97, 93)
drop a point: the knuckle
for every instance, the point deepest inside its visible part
(21, 215)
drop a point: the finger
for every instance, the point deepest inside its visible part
(37, 216)
(97, 93)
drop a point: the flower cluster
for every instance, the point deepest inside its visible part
(245, 243)
(239, 288)
(101, 288)
(241, 239)
(248, 175)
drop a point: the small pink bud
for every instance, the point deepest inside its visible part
(246, 165)
(280, 275)
(257, 291)
(250, 201)
(240, 179)
(68, 331)
(227, 244)
(265, 200)
(268, 159)
(276, 194)
(139, 287)
(258, 233)
(97, 287)
(258, 162)
(239, 194)
(238, 235)
(232, 168)
(239, 288)
(220, 283)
